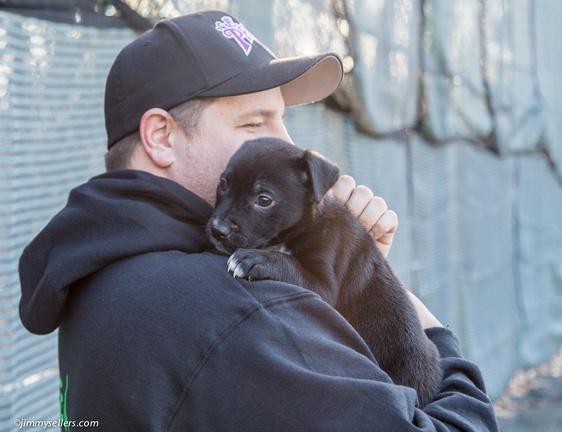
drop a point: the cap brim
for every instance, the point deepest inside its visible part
(302, 79)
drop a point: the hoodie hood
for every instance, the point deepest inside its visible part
(113, 216)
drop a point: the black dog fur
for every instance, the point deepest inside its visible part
(271, 197)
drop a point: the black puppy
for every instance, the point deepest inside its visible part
(272, 215)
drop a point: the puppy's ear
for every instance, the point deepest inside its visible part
(322, 173)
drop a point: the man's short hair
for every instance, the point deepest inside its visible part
(187, 115)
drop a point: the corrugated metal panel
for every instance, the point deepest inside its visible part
(52, 137)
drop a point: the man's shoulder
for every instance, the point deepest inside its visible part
(178, 303)
(206, 275)
(187, 290)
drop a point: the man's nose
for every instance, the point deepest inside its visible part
(282, 133)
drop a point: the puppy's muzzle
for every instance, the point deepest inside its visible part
(224, 234)
(221, 229)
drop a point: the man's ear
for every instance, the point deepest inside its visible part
(322, 173)
(155, 128)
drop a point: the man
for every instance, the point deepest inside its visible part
(154, 334)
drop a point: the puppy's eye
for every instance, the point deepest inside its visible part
(264, 201)
(223, 184)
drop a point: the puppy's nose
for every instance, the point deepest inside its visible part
(220, 229)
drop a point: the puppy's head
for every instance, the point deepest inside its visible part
(268, 187)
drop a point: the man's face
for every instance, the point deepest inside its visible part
(224, 126)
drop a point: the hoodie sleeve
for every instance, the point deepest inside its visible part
(307, 370)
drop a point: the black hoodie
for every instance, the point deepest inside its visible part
(155, 335)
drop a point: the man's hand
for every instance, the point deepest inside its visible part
(381, 223)
(371, 211)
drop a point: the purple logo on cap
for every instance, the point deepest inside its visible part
(236, 31)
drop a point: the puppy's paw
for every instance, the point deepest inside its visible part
(234, 267)
(252, 264)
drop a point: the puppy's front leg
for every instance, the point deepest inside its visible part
(262, 264)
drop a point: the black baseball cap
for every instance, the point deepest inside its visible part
(206, 54)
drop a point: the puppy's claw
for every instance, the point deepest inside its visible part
(231, 263)
(234, 268)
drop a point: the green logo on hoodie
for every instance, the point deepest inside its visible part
(63, 400)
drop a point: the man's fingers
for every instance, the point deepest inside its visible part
(383, 232)
(374, 209)
(343, 188)
(360, 201)
(386, 225)
(371, 211)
